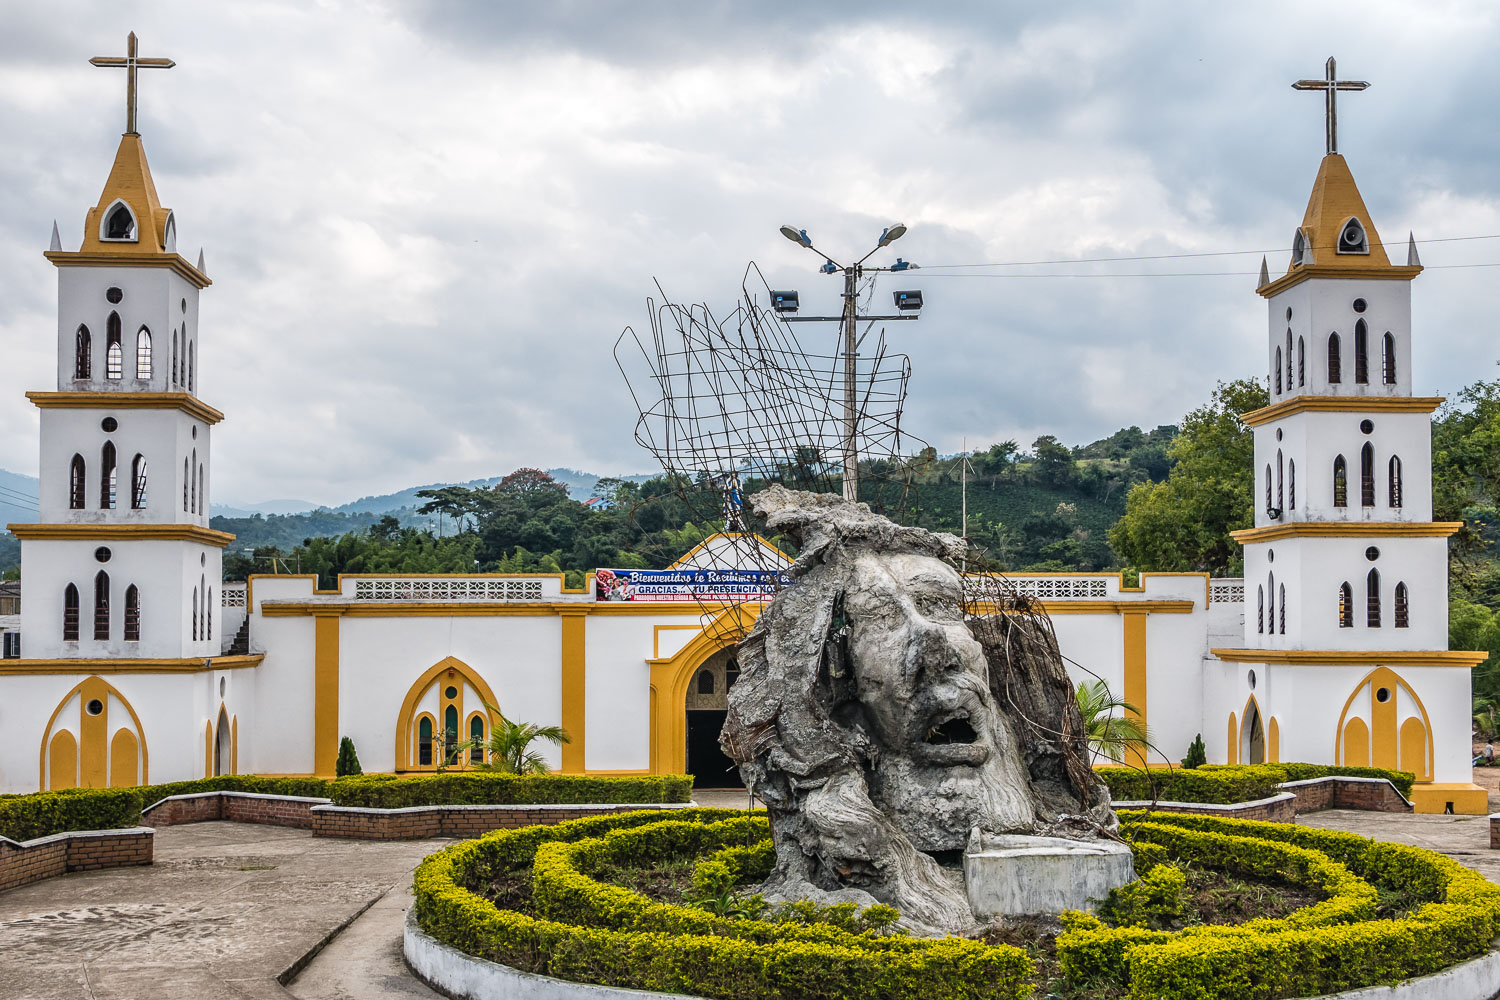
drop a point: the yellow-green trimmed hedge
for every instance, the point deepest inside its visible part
(26, 817)
(480, 788)
(1459, 923)
(705, 965)
(1220, 785)
(1403, 780)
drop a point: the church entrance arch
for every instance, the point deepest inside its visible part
(707, 705)
(689, 701)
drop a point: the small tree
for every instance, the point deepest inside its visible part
(1197, 756)
(348, 762)
(508, 750)
(1107, 732)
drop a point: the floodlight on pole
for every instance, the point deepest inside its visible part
(796, 235)
(891, 234)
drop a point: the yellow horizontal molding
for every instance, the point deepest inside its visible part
(122, 533)
(1347, 529)
(1300, 274)
(1343, 657)
(1342, 404)
(177, 262)
(1066, 607)
(184, 401)
(110, 665)
(479, 609)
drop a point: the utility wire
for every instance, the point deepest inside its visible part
(1164, 274)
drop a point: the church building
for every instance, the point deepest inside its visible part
(136, 663)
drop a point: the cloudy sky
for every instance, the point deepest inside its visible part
(427, 222)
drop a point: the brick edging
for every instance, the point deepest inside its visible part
(1334, 791)
(25, 862)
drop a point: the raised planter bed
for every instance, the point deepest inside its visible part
(418, 822)
(82, 850)
(1297, 797)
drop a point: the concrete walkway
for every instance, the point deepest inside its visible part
(226, 910)
(1465, 839)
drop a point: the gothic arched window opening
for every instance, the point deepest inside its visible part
(132, 614)
(1367, 475)
(1289, 361)
(1388, 360)
(1346, 605)
(114, 359)
(1277, 371)
(138, 483)
(101, 606)
(192, 368)
(1291, 484)
(1340, 483)
(1301, 361)
(705, 682)
(1260, 609)
(1335, 363)
(424, 741)
(1271, 603)
(76, 479)
(119, 224)
(176, 373)
(185, 484)
(83, 354)
(70, 614)
(195, 614)
(1361, 353)
(1403, 612)
(202, 492)
(107, 477)
(193, 479)
(1393, 477)
(1372, 599)
(1268, 487)
(143, 354)
(1281, 621)
(1280, 483)
(476, 738)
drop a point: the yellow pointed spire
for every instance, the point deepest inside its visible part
(143, 229)
(1334, 203)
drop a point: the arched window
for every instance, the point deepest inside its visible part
(1346, 605)
(193, 478)
(1271, 601)
(1361, 353)
(1372, 599)
(185, 478)
(143, 354)
(83, 354)
(1276, 376)
(424, 741)
(202, 593)
(107, 477)
(705, 682)
(1301, 361)
(208, 612)
(1393, 481)
(476, 738)
(138, 483)
(1268, 487)
(70, 614)
(450, 733)
(1388, 360)
(101, 606)
(1367, 475)
(195, 614)
(119, 224)
(1281, 596)
(1340, 483)
(176, 378)
(1335, 363)
(132, 614)
(1291, 484)
(192, 367)
(76, 483)
(114, 359)
(1403, 614)
(1260, 609)
(202, 491)
(1280, 482)
(1288, 360)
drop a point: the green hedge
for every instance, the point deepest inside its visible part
(1228, 783)
(704, 965)
(477, 788)
(26, 817)
(1222, 785)
(314, 788)
(1458, 923)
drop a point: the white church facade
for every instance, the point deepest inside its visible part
(138, 664)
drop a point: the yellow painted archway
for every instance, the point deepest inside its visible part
(448, 668)
(671, 675)
(89, 754)
(1370, 734)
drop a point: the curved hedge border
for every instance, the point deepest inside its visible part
(1459, 922)
(1225, 784)
(701, 964)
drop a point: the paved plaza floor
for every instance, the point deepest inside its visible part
(233, 910)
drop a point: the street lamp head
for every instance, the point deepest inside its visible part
(829, 267)
(891, 234)
(798, 236)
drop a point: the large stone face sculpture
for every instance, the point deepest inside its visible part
(882, 721)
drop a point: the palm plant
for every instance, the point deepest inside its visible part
(508, 750)
(1107, 731)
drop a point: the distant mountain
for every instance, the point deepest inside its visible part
(18, 495)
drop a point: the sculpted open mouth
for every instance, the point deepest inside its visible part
(951, 740)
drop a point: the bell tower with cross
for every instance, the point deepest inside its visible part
(1346, 583)
(121, 564)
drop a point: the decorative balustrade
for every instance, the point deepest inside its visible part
(233, 596)
(1226, 591)
(1054, 588)
(442, 589)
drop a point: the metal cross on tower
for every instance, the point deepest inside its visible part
(1331, 85)
(130, 64)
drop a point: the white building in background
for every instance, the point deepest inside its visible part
(136, 664)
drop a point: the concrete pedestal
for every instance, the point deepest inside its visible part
(1016, 876)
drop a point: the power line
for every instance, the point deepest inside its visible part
(1181, 256)
(1168, 274)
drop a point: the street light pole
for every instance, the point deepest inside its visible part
(848, 320)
